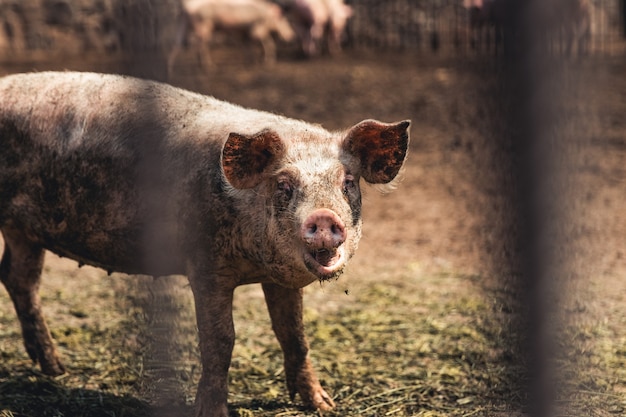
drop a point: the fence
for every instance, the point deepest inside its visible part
(413, 25)
(444, 25)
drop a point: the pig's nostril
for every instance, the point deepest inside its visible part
(323, 229)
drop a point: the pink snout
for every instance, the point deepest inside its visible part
(324, 233)
(323, 229)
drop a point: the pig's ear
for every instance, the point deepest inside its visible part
(380, 147)
(246, 158)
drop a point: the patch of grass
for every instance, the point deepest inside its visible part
(389, 351)
(379, 357)
(592, 365)
(417, 345)
(39, 396)
(104, 370)
(98, 383)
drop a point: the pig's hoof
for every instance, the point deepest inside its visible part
(320, 400)
(50, 363)
(47, 358)
(53, 368)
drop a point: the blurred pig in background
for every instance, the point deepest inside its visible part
(258, 20)
(316, 20)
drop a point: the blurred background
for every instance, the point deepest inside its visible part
(490, 283)
(32, 28)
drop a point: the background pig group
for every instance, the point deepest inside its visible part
(311, 21)
(139, 177)
(256, 19)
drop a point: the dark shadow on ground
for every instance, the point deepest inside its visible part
(27, 393)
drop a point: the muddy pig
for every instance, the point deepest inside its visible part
(140, 177)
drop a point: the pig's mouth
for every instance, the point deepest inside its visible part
(325, 263)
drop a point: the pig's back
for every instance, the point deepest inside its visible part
(128, 109)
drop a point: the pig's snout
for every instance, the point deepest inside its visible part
(324, 233)
(323, 230)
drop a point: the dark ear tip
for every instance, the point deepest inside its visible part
(403, 125)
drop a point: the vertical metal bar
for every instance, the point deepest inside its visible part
(531, 73)
(148, 27)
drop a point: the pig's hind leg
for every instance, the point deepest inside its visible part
(285, 308)
(20, 272)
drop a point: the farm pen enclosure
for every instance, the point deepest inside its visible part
(490, 282)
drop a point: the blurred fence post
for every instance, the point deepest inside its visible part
(533, 74)
(147, 32)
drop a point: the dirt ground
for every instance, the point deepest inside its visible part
(452, 215)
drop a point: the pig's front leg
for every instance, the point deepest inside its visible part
(285, 308)
(214, 315)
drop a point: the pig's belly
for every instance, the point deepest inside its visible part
(137, 253)
(102, 238)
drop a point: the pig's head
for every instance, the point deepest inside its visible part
(303, 193)
(280, 25)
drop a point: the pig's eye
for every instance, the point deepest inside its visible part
(286, 188)
(348, 184)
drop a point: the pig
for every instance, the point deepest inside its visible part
(257, 19)
(140, 177)
(315, 19)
